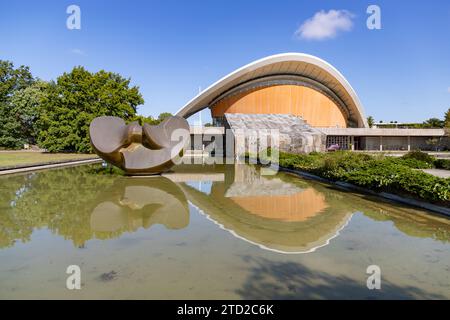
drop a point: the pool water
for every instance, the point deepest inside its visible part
(212, 232)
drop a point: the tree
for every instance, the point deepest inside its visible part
(11, 81)
(163, 116)
(143, 119)
(370, 121)
(26, 104)
(150, 120)
(75, 99)
(433, 123)
(434, 143)
(446, 138)
(447, 119)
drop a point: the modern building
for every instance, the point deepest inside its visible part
(307, 99)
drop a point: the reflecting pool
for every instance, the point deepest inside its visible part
(212, 232)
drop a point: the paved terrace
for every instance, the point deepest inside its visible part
(377, 132)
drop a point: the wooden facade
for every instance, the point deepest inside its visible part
(317, 109)
(297, 207)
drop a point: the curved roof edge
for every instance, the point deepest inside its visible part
(321, 71)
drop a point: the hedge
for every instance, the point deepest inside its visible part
(378, 173)
(442, 164)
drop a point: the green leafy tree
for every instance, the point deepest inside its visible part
(75, 99)
(150, 120)
(434, 143)
(447, 119)
(163, 116)
(370, 121)
(143, 119)
(433, 123)
(12, 80)
(26, 104)
(446, 139)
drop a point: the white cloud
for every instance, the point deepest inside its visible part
(325, 25)
(448, 89)
(78, 52)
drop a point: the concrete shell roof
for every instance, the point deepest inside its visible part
(283, 64)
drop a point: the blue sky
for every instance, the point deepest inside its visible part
(171, 48)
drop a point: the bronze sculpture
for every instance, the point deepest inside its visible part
(136, 149)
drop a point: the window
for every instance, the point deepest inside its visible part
(342, 141)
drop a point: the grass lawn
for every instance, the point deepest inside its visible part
(22, 158)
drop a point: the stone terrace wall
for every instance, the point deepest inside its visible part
(295, 135)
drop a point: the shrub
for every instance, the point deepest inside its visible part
(401, 179)
(303, 162)
(442, 164)
(396, 175)
(410, 162)
(419, 155)
(337, 164)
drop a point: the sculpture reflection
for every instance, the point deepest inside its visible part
(136, 203)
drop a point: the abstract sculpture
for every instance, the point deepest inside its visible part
(139, 150)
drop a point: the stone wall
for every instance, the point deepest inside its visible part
(290, 133)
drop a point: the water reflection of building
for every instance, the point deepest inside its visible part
(278, 213)
(274, 198)
(296, 207)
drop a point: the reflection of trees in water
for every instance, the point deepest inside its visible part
(64, 201)
(413, 222)
(61, 200)
(14, 226)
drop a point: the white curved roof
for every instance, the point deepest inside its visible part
(283, 64)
